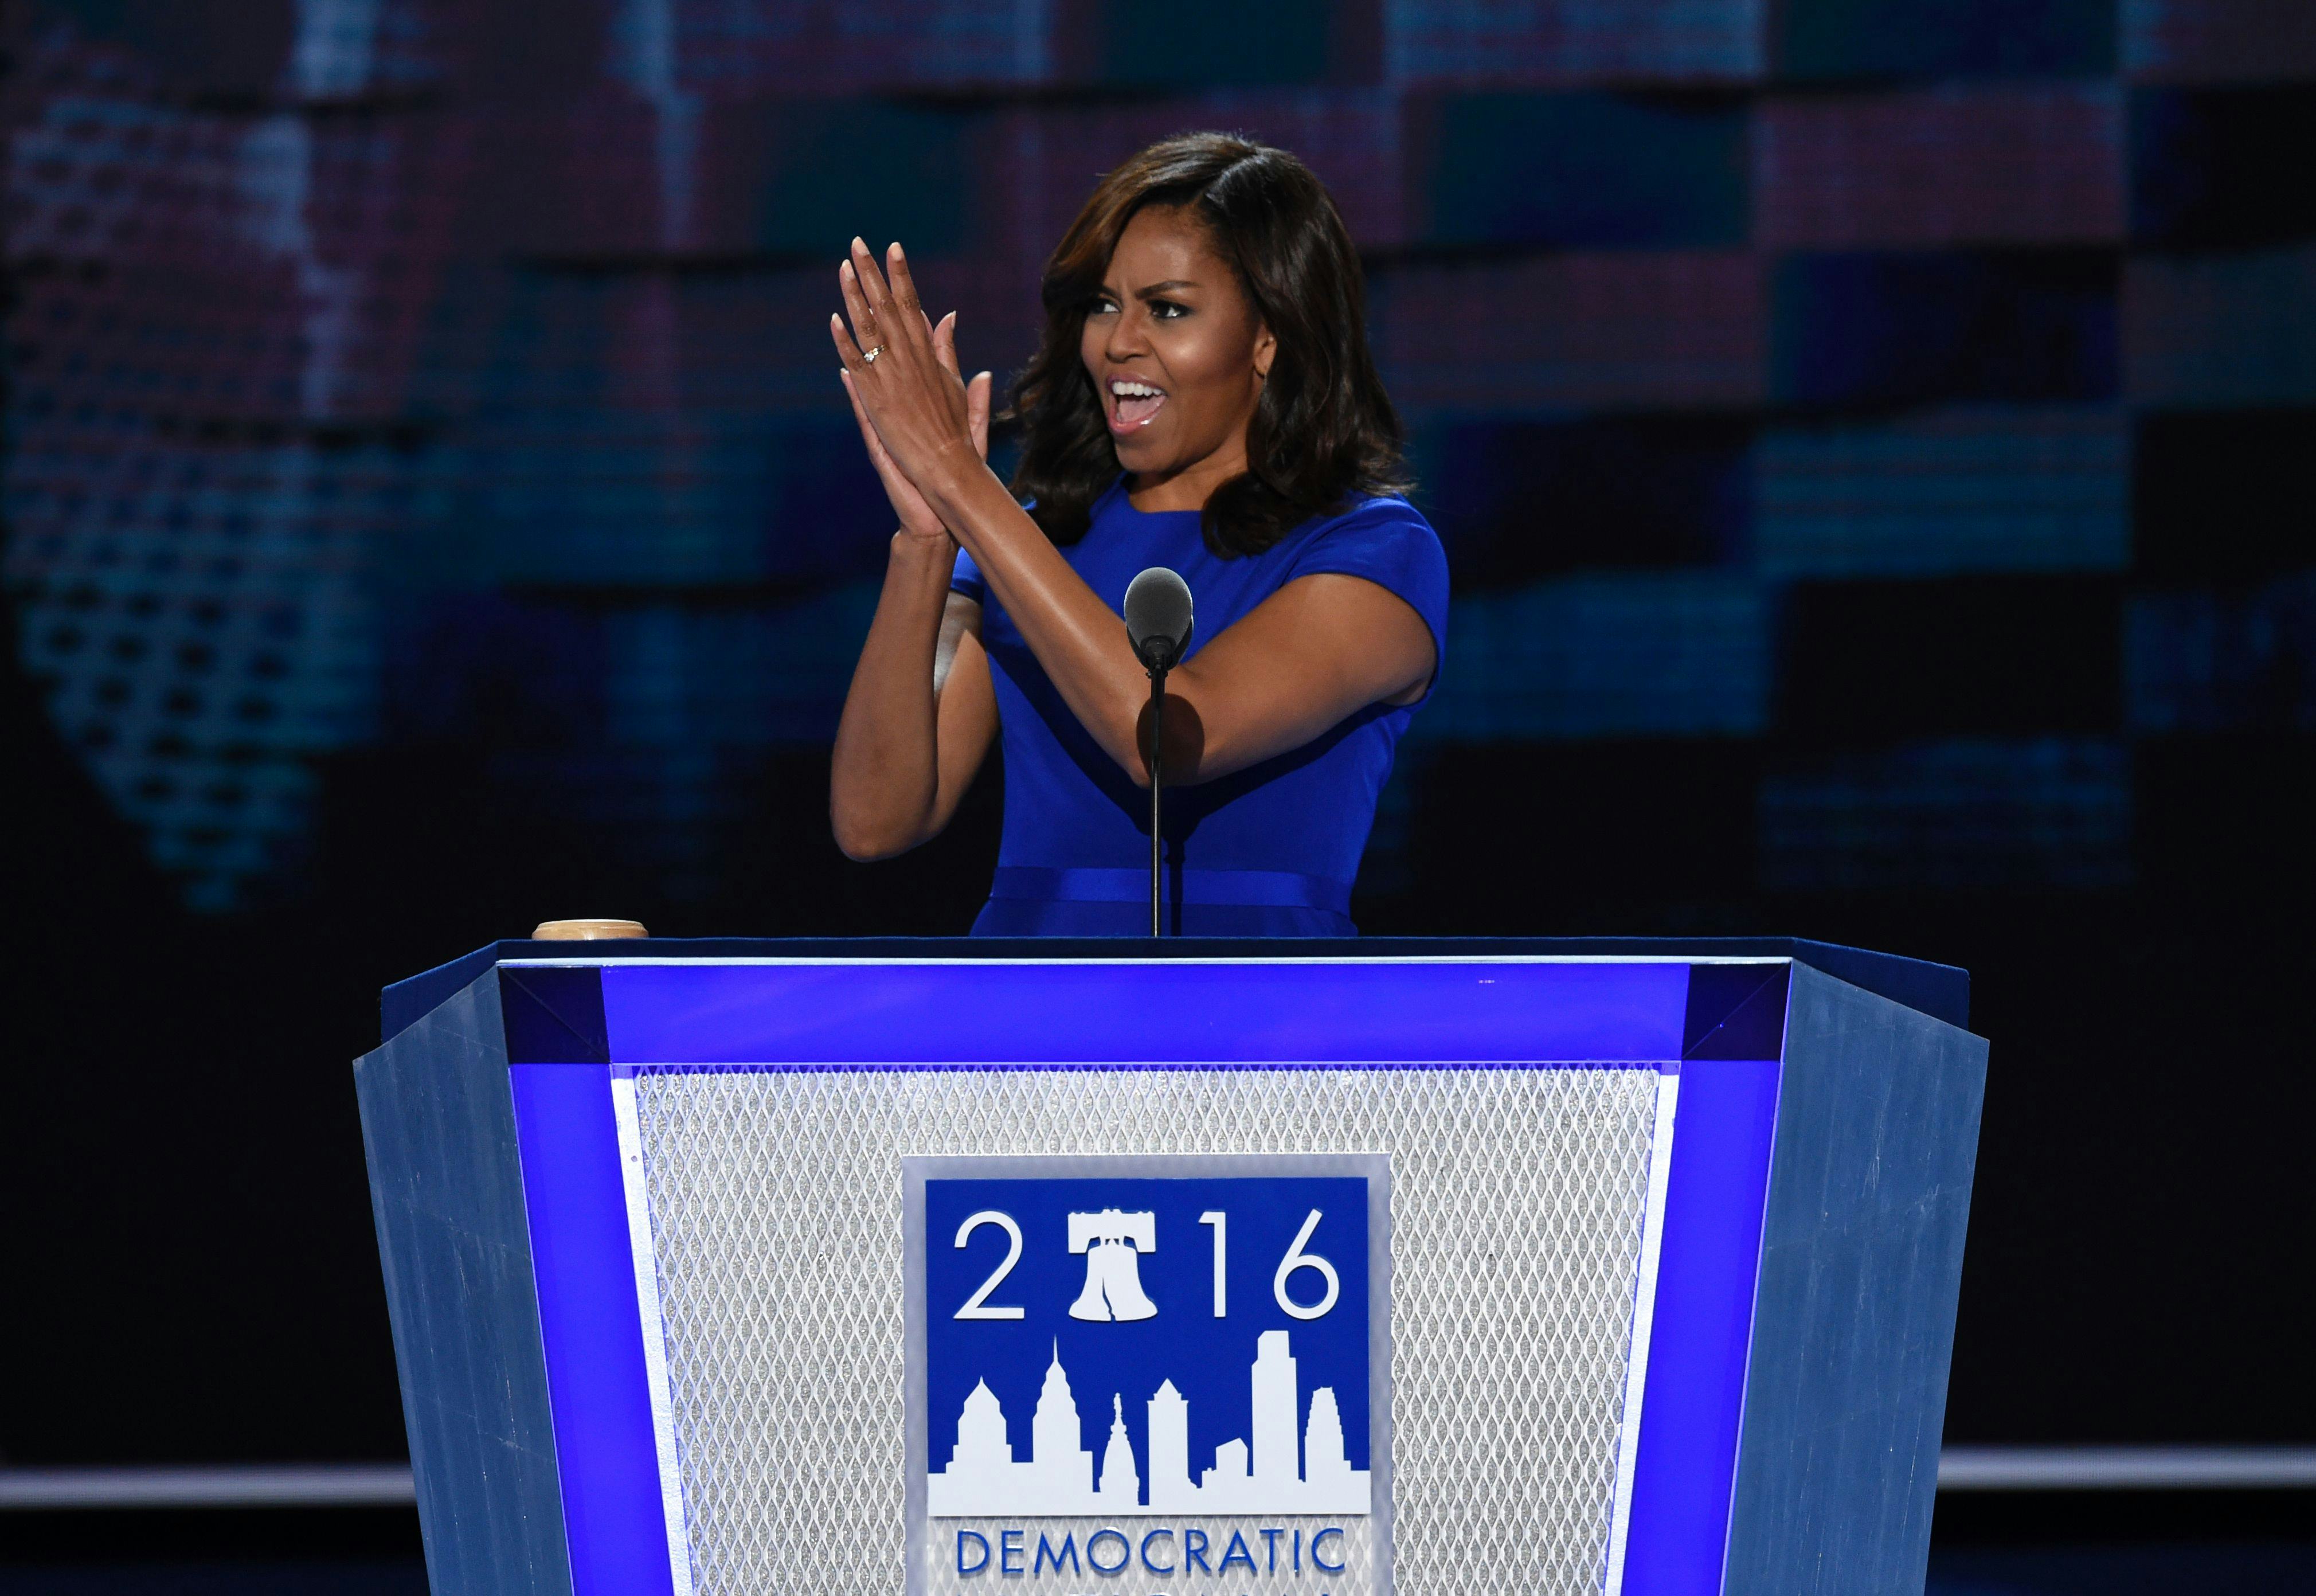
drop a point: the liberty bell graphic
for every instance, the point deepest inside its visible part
(1111, 1239)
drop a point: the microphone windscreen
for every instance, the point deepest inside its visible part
(1158, 617)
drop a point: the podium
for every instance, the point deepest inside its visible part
(732, 1266)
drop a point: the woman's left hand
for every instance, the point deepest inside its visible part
(914, 400)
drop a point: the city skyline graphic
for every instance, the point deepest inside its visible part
(1282, 1464)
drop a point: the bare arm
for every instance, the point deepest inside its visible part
(1320, 649)
(920, 714)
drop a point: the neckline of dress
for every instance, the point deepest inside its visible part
(1125, 501)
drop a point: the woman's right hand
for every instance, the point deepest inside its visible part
(917, 518)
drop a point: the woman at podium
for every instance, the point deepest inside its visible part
(1203, 398)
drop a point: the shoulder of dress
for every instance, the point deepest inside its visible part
(1376, 514)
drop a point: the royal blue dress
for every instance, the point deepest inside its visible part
(1269, 852)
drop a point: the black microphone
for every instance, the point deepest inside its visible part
(1158, 622)
(1158, 618)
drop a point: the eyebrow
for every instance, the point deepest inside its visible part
(1159, 287)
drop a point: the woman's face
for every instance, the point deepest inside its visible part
(1175, 349)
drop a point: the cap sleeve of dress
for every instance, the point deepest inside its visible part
(966, 579)
(1389, 542)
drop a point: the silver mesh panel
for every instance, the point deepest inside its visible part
(1517, 1209)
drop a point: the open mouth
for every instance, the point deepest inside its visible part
(1133, 403)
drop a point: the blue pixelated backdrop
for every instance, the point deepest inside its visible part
(1825, 381)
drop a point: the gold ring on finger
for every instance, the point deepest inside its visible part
(868, 356)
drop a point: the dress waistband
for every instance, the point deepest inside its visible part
(1283, 890)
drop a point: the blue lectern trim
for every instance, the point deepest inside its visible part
(1938, 990)
(1128, 1014)
(1686, 1467)
(605, 1448)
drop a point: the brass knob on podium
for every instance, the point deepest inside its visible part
(587, 931)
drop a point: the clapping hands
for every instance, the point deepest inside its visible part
(919, 418)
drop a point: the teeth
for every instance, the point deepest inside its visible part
(1133, 390)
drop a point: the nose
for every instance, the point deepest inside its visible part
(1128, 336)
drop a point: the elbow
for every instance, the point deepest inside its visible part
(1186, 754)
(869, 821)
(1130, 749)
(1176, 776)
(1176, 771)
(868, 847)
(862, 848)
(1184, 750)
(865, 839)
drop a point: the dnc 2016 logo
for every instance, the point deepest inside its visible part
(1171, 1365)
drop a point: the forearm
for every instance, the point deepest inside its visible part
(1077, 638)
(883, 778)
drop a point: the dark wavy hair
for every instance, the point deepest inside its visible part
(1323, 430)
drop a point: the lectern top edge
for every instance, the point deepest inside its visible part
(1941, 992)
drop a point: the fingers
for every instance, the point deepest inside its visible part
(868, 428)
(878, 455)
(848, 352)
(944, 346)
(977, 412)
(892, 306)
(857, 305)
(907, 394)
(904, 286)
(870, 283)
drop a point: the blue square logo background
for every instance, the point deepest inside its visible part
(1209, 1360)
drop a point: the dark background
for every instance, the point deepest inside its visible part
(1872, 440)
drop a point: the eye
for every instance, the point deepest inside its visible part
(1168, 310)
(1101, 305)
